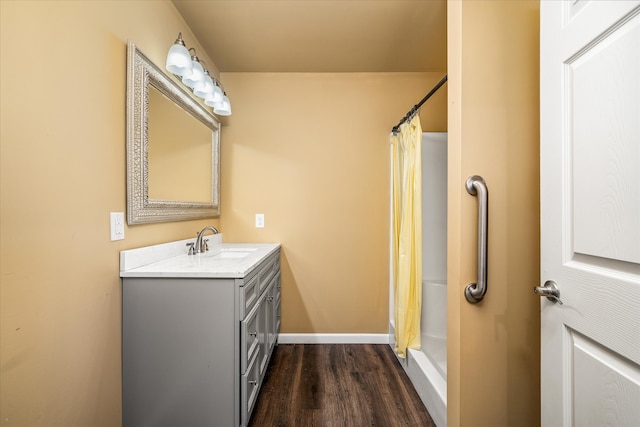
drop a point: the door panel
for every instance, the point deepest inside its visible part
(604, 382)
(603, 131)
(590, 212)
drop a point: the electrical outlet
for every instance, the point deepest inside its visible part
(259, 220)
(117, 226)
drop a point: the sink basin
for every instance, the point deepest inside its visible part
(232, 254)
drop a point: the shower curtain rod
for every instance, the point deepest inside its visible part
(416, 107)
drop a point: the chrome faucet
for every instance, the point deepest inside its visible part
(201, 245)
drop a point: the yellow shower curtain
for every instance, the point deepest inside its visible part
(407, 234)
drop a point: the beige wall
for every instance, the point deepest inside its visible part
(62, 154)
(493, 347)
(311, 152)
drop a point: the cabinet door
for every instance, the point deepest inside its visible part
(264, 315)
(274, 325)
(250, 337)
(249, 388)
(276, 311)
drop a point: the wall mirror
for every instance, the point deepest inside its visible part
(173, 148)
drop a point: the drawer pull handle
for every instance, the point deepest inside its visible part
(254, 333)
(269, 298)
(253, 382)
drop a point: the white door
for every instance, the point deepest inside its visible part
(590, 212)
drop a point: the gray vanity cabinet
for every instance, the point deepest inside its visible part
(195, 350)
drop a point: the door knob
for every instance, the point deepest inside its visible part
(550, 290)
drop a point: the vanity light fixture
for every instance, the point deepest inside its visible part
(204, 87)
(197, 72)
(190, 69)
(214, 97)
(224, 108)
(178, 58)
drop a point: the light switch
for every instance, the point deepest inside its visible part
(259, 220)
(117, 226)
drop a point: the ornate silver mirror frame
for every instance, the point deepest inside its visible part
(141, 74)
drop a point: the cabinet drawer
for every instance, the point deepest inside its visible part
(249, 389)
(249, 340)
(249, 294)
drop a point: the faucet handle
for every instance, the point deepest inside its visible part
(192, 250)
(205, 245)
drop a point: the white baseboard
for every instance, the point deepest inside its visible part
(333, 338)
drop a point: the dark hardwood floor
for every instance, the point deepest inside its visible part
(337, 385)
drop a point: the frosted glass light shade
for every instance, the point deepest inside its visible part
(215, 97)
(224, 108)
(196, 76)
(217, 94)
(204, 87)
(179, 60)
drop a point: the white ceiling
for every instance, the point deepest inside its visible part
(320, 35)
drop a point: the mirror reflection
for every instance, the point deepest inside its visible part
(179, 152)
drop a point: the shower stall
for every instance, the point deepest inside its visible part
(427, 368)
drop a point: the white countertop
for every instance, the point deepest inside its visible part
(223, 260)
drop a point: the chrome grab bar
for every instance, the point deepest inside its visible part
(474, 292)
